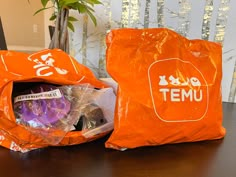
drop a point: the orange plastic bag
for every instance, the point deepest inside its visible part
(169, 88)
(50, 66)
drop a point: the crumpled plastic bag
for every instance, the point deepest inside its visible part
(20, 70)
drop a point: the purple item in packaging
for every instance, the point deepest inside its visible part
(41, 106)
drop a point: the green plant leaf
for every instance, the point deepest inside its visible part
(92, 17)
(70, 26)
(74, 6)
(72, 19)
(44, 8)
(89, 2)
(87, 8)
(90, 9)
(64, 3)
(92, 2)
(70, 1)
(53, 17)
(82, 8)
(44, 2)
(97, 2)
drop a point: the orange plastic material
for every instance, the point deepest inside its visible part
(169, 88)
(51, 66)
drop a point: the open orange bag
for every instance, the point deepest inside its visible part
(169, 88)
(50, 66)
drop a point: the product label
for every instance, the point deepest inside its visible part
(179, 90)
(36, 96)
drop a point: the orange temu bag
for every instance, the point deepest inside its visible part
(50, 66)
(169, 88)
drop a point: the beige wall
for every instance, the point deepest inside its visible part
(23, 30)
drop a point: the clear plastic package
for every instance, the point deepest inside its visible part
(51, 111)
(44, 110)
(94, 108)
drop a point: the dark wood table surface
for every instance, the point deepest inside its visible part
(201, 159)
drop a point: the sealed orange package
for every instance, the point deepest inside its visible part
(169, 88)
(20, 128)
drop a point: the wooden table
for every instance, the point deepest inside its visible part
(201, 159)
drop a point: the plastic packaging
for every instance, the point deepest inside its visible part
(45, 111)
(51, 111)
(94, 108)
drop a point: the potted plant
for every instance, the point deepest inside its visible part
(63, 20)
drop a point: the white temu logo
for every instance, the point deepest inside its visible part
(2, 138)
(163, 80)
(180, 94)
(43, 66)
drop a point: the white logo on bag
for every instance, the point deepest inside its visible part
(178, 94)
(170, 91)
(2, 138)
(45, 65)
(15, 147)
